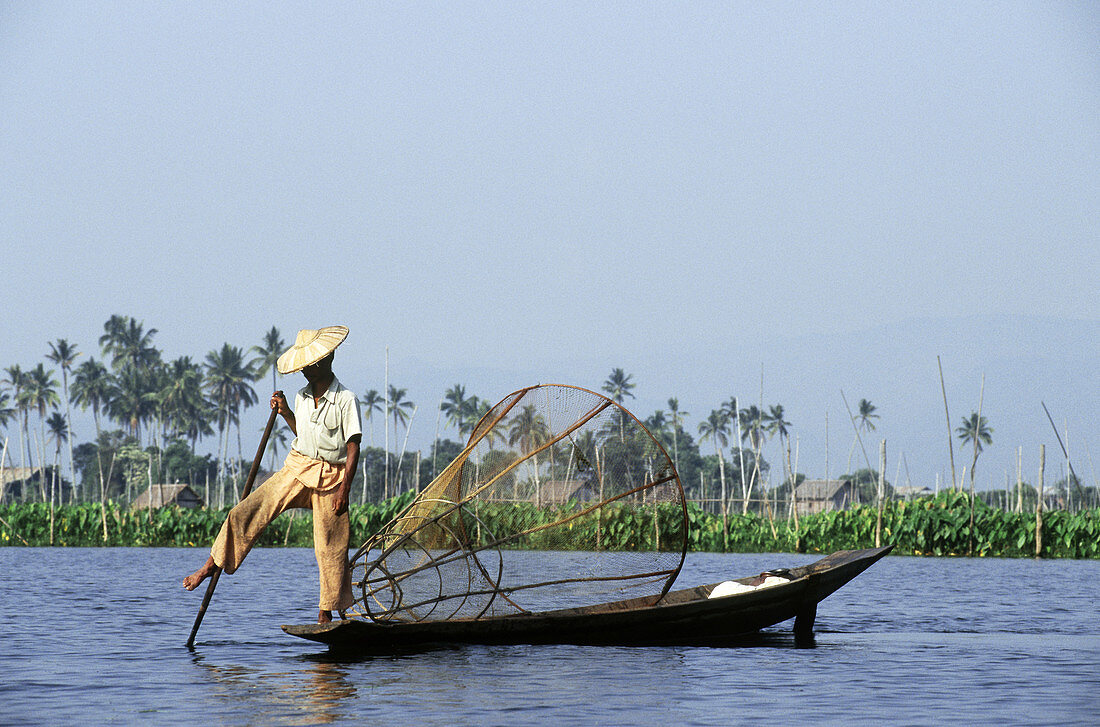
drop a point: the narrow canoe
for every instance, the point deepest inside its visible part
(684, 616)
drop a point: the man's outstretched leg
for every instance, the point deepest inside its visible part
(192, 581)
(246, 521)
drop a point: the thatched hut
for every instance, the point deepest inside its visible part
(823, 495)
(161, 495)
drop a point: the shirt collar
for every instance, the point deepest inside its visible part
(330, 393)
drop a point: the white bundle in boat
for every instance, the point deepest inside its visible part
(732, 588)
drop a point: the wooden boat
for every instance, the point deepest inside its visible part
(687, 616)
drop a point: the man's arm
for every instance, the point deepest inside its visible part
(343, 493)
(278, 402)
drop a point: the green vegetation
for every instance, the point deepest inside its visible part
(929, 526)
(151, 413)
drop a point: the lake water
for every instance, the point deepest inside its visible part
(97, 636)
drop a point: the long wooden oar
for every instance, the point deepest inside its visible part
(244, 493)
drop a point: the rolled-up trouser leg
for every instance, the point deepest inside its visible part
(330, 544)
(248, 519)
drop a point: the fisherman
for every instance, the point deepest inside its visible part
(317, 473)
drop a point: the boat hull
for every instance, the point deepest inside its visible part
(684, 616)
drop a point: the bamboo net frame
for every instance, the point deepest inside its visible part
(550, 467)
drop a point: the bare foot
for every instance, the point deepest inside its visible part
(192, 581)
(324, 617)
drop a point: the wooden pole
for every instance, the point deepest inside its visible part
(974, 463)
(950, 442)
(1039, 502)
(881, 492)
(244, 493)
(1019, 479)
(386, 430)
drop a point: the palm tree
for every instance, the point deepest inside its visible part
(372, 403)
(17, 380)
(456, 407)
(755, 427)
(716, 428)
(657, 424)
(734, 413)
(866, 414)
(399, 407)
(39, 392)
(93, 386)
(276, 439)
(478, 409)
(528, 431)
(776, 423)
(58, 430)
(399, 410)
(133, 400)
(7, 413)
(676, 416)
(267, 354)
(184, 409)
(475, 409)
(227, 382)
(618, 385)
(64, 354)
(975, 430)
(128, 343)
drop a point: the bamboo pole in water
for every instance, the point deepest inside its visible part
(1019, 479)
(950, 442)
(244, 493)
(794, 497)
(974, 463)
(881, 490)
(1039, 502)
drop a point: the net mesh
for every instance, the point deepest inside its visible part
(549, 468)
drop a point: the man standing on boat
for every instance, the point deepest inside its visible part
(317, 473)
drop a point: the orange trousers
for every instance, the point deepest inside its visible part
(283, 490)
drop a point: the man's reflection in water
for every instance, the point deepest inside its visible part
(320, 693)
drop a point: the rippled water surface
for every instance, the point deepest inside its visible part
(97, 636)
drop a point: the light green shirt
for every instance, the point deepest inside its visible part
(324, 429)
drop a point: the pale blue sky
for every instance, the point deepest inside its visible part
(516, 191)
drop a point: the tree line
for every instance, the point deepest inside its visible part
(151, 413)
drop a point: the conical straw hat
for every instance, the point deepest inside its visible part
(310, 347)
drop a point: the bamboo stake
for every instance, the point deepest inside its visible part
(881, 488)
(244, 493)
(794, 496)
(1039, 503)
(950, 442)
(1019, 479)
(974, 463)
(3, 456)
(435, 442)
(741, 460)
(405, 444)
(386, 429)
(1063, 446)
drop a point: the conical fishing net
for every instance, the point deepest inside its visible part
(549, 468)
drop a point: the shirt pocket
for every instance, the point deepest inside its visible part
(330, 419)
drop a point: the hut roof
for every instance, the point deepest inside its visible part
(160, 495)
(820, 489)
(912, 491)
(558, 492)
(15, 474)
